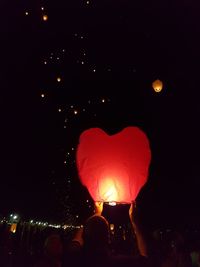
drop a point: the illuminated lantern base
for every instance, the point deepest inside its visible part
(112, 203)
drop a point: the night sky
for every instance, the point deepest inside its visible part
(67, 66)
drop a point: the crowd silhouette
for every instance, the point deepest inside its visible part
(96, 243)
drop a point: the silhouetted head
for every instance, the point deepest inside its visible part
(96, 232)
(53, 246)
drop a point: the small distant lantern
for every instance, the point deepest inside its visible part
(45, 17)
(157, 86)
(112, 227)
(13, 228)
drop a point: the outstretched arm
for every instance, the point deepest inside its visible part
(138, 233)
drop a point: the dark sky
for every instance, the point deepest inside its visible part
(129, 45)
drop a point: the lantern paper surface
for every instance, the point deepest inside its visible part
(113, 168)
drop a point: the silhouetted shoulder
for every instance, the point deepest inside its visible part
(126, 261)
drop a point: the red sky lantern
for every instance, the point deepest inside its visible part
(113, 168)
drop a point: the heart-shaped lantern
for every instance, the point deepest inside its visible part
(113, 168)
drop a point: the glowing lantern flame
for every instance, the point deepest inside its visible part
(157, 86)
(113, 168)
(112, 203)
(108, 190)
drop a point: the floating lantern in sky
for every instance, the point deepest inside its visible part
(113, 168)
(45, 17)
(157, 86)
(13, 228)
(112, 227)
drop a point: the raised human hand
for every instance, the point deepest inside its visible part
(98, 207)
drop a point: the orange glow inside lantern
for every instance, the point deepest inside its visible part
(113, 168)
(108, 190)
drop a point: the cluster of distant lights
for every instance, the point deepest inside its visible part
(68, 155)
(73, 110)
(70, 226)
(157, 84)
(57, 226)
(15, 218)
(45, 15)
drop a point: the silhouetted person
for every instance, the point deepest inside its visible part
(90, 246)
(176, 254)
(53, 250)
